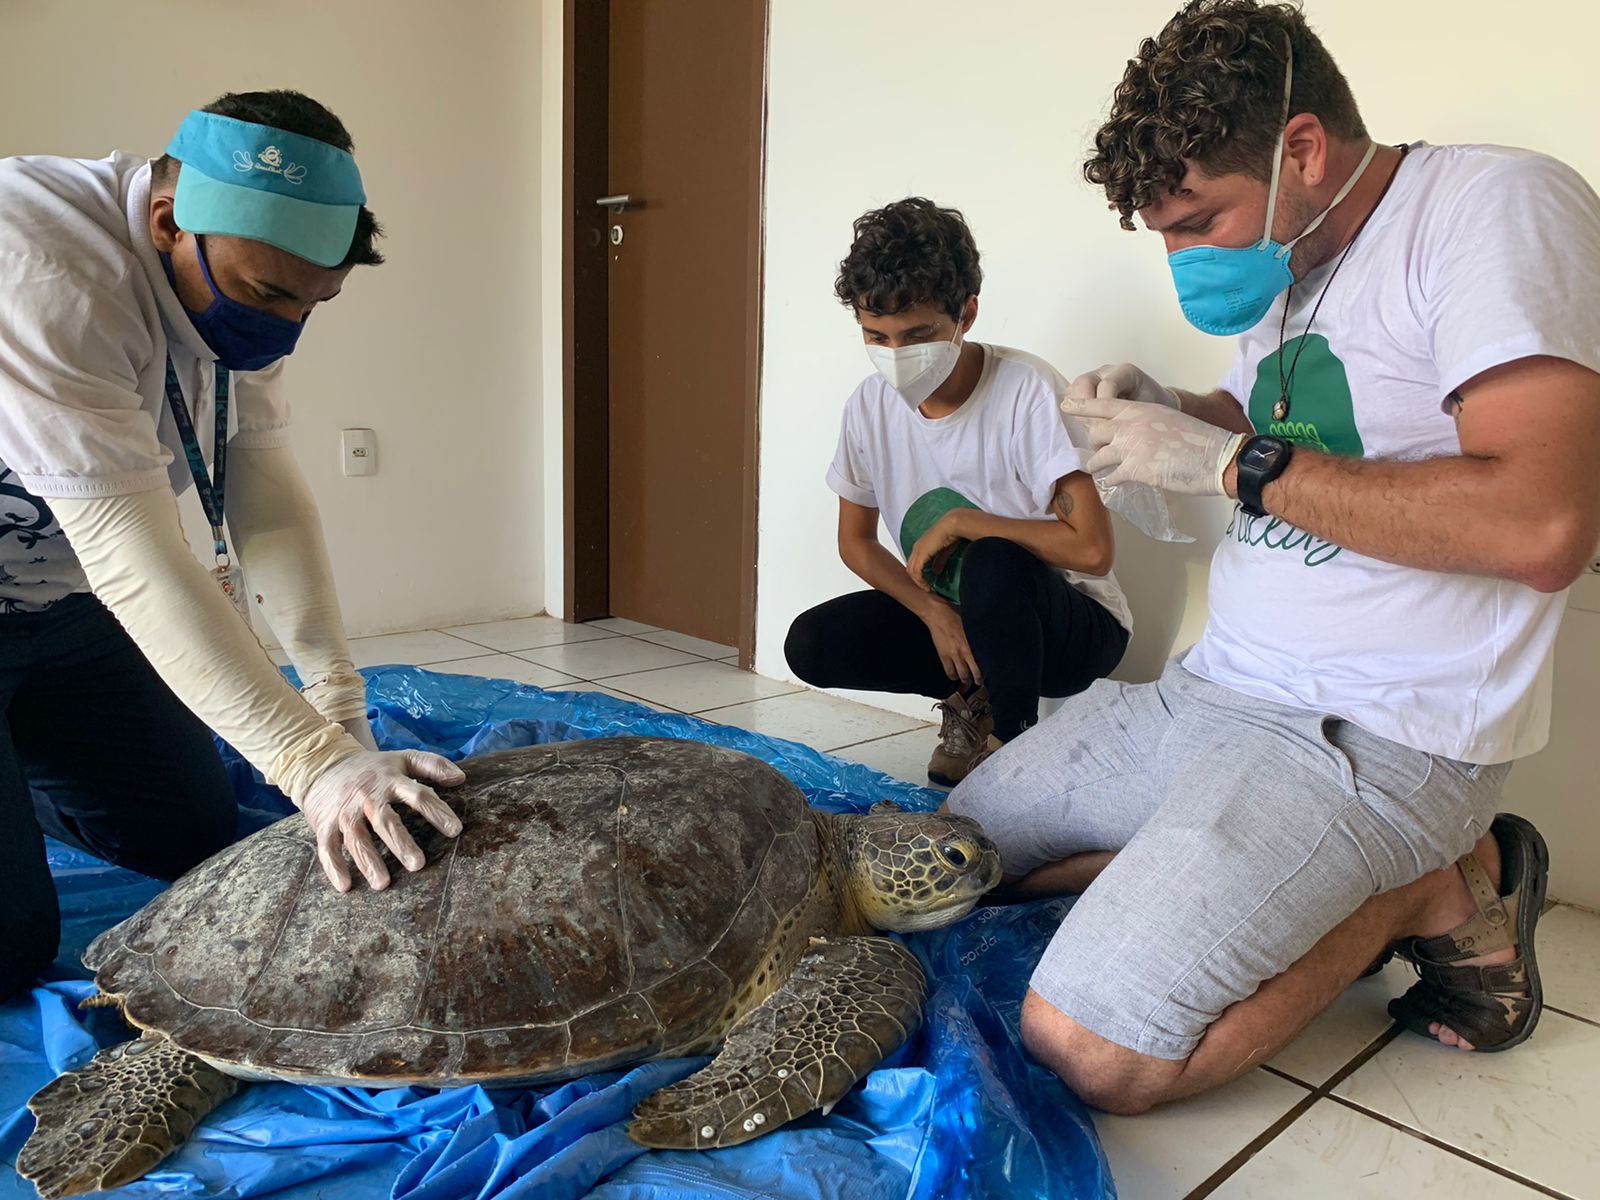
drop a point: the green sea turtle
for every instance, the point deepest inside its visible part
(609, 902)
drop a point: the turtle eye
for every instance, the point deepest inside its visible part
(953, 855)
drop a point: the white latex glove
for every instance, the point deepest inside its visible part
(357, 794)
(360, 729)
(1146, 443)
(1121, 381)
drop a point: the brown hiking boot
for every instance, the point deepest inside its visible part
(964, 737)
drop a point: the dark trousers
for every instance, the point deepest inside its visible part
(1032, 633)
(96, 751)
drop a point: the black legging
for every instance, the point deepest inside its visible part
(96, 751)
(1032, 633)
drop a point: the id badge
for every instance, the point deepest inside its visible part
(231, 580)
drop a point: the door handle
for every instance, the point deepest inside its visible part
(615, 203)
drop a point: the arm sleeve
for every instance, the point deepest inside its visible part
(1041, 449)
(134, 554)
(278, 535)
(850, 476)
(1513, 270)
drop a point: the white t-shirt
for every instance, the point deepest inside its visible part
(87, 319)
(1478, 256)
(1002, 452)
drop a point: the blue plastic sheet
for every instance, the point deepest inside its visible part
(958, 1112)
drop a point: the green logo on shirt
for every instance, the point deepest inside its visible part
(1321, 415)
(1321, 412)
(924, 512)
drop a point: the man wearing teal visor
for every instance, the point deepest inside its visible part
(146, 309)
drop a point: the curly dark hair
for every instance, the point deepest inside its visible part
(294, 112)
(906, 253)
(1209, 90)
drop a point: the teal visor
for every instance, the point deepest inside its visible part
(240, 179)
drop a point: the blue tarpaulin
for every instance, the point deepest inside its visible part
(959, 1111)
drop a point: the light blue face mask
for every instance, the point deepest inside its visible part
(1226, 290)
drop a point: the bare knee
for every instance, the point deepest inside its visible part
(1105, 1075)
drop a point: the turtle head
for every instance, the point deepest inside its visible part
(906, 871)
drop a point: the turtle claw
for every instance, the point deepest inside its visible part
(848, 1004)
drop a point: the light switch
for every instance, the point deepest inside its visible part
(359, 452)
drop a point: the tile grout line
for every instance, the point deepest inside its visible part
(1572, 1015)
(803, 688)
(880, 738)
(646, 671)
(604, 637)
(1439, 1144)
(1254, 1146)
(1300, 1108)
(612, 638)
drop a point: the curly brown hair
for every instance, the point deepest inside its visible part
(1209, 90)
(906, 253)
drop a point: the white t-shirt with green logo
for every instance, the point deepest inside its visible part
(1478, 256)
(1002, 452)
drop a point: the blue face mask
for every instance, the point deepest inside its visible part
(1226, 290)
(242, 338)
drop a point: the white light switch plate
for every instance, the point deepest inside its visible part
(358, 452)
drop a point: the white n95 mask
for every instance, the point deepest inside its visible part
(915, 372)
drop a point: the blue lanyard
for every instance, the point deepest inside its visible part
(211, 496)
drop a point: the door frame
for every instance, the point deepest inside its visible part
(584, 323)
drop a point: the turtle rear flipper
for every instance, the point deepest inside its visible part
(114, 1119)
(848, 1005)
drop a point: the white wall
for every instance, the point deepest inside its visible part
(439, 350)
(550, 305)
(988, 108)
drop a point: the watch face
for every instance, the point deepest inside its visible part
(1257, 456)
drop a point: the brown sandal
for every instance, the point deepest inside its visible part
(1493, 1007)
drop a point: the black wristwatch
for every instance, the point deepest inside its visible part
(1261, 460)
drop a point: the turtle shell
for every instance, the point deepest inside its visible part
(608, 901)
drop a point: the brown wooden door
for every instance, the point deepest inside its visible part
(685, 105)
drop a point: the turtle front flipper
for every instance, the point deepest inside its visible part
(111, 1121)
(848, 1005)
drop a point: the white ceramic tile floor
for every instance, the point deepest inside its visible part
(622, 625)
(820, 721)
(613, 693)
(1333, 1151)
(1168, 1152)
(608, 657)
(1569, 961)
(693, 645)
(506, 666)
(903, 756)
(700, 686)
(527, 633)
(1531, 1110)
(1415, 1119)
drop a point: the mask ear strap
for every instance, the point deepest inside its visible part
(1277, 152)
(205, 267)
(1349, 185)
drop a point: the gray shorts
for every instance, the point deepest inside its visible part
(1246, 831)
